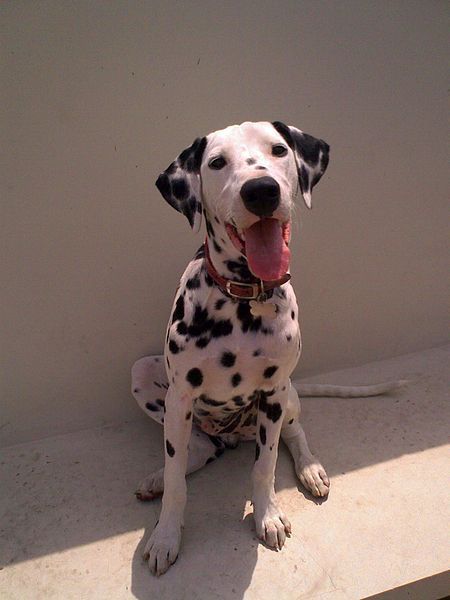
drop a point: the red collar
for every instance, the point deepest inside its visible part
(256, 290)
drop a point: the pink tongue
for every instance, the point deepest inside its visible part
(267, 254)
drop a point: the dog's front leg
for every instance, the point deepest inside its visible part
(271, 523)
(162, 547)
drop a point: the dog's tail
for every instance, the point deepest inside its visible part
(348, 391)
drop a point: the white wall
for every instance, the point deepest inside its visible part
(99, 97)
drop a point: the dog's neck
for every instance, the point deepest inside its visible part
(225, 257)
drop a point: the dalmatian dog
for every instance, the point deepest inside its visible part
(233, 337)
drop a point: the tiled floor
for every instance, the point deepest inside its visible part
(72, 529)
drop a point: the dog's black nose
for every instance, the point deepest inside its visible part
(261, 196)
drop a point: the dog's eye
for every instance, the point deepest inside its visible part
(279, 150)
(217, 163)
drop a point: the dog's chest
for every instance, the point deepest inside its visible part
(223, 355)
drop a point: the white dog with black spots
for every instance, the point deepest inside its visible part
(233, 337)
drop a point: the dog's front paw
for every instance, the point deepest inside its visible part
(272, 525)
(313, 477)
(162, 548)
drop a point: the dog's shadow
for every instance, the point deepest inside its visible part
(219, 548)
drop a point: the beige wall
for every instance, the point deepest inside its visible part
(98, 97)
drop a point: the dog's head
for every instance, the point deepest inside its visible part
(247, 177)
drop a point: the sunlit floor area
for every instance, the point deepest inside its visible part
(71, 527)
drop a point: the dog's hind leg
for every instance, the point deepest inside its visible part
(203, 449)
(149, 385)
(309, 470)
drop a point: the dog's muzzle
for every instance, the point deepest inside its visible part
(261, 196)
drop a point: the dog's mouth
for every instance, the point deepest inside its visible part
(266, 246)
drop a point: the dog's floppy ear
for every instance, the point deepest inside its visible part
(311, 154)
(180, 183)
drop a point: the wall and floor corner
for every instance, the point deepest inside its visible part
(98, 98)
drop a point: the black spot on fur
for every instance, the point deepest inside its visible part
(257, 352)
(257, 452)
(209, 401)
(202, 342)
(151, 407)
(200, 322)
(200, 252)
(182, 328)
(160, 402)
(267, 330)
(170, 449)
(236, 379)
(228, 359)
(308, 146)
(248, 421)
(209, 280)
(238, 400)
(209, 228)
(210, 460)
(273, 411)
(180, 189)
(216, 441)
(262, 434)
(217, 248)
(303, 176)
(248, 322)
(220, 303)
(239, 269)
(194, 377)
(193, 283)
(289, 337)
(188, 415)
(253, 397)
(174, 348)
(291, 421)
(191, 158)
(270, 371)
(136, 391)
(292, 315)
(231, 423)
(203, 413)
(190, 207)
(222, 328)
(163, 185)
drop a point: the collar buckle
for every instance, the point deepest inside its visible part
(257, 289)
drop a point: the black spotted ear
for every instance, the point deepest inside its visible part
(311, 154)
(180, 183)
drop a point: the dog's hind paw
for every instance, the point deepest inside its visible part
(151, 487)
